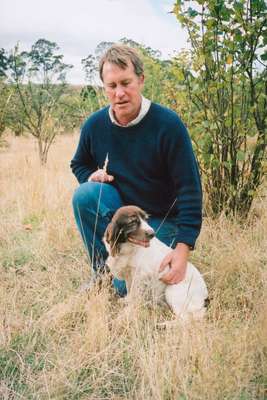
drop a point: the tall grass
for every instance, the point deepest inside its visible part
(57, 343)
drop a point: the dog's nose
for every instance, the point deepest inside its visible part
(150, 234)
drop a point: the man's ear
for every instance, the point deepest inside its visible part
(112, 235)
(142, 80)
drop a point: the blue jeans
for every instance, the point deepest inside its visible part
(94, 205)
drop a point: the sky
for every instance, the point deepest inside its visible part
(78, 26)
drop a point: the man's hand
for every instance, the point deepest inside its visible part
(100, 176)
(177, 261)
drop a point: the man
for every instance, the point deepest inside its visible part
(136, 152)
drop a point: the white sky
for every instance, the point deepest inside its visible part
(78, 26)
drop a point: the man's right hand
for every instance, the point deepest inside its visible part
(100, 176)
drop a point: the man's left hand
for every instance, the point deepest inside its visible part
(177, 261)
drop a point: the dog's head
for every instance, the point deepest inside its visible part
(128, 225)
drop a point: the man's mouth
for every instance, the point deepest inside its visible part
(122, 103)
(143, 243)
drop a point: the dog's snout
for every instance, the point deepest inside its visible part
(150, 234)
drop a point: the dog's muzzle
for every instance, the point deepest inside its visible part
(145, 242)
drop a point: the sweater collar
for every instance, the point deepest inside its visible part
(145, 105)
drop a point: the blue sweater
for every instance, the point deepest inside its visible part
(153, 165)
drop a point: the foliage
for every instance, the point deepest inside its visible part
(92, 95)
(3, 63)
(76, 106)
(5, 91)
(5, 99)
(39, 79)
(225, 79)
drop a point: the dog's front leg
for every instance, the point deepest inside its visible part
(129, 280)
(118, 267)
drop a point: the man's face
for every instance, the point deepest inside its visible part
(123, 88)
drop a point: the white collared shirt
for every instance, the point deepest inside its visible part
(145, 105)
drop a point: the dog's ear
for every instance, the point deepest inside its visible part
(113, 237)
(143, 214)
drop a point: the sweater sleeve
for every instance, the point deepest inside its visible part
(183, 170)
(83, 164)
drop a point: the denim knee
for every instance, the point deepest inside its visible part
(85, 195)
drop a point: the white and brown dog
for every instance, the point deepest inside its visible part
(135, 255)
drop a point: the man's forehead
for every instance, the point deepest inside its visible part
(111, 70)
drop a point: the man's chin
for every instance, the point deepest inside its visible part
(122, 108)
(123, 114)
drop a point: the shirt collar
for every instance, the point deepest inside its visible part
(145, 105)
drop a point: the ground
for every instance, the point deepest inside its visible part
(57, 343)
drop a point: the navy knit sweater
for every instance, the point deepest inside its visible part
(152, 163)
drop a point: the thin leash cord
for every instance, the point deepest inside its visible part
(164, 219)
(83, 234)
(96, 220)
(91, 260)
(97, 211)
(86, 246)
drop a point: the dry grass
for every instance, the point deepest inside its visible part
(59, 344)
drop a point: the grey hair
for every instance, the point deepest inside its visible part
(121, 55)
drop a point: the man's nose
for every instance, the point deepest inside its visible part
(120, 91)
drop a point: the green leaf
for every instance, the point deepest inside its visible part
(215, 162)
(241, 155)
(228, 122)
(192, 13)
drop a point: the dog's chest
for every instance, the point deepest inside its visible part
(146, 261)
(145, 278)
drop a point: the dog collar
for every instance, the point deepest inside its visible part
(143, 243)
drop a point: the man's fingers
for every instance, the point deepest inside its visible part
(167, 277)
(170, 278)
(164, 262)
(110, 178)
(101, 176)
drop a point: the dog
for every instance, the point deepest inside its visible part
(135, 255)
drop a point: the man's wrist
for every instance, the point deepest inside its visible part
(184, 245)
(183, 248)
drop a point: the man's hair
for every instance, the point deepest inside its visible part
(121, 55)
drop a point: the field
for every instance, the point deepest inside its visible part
(58, 343)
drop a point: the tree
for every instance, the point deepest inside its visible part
(3, 63)
(92, 95)
(5, 92)
(226, 87)
(39, 79)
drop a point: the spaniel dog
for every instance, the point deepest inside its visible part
(135, 255)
